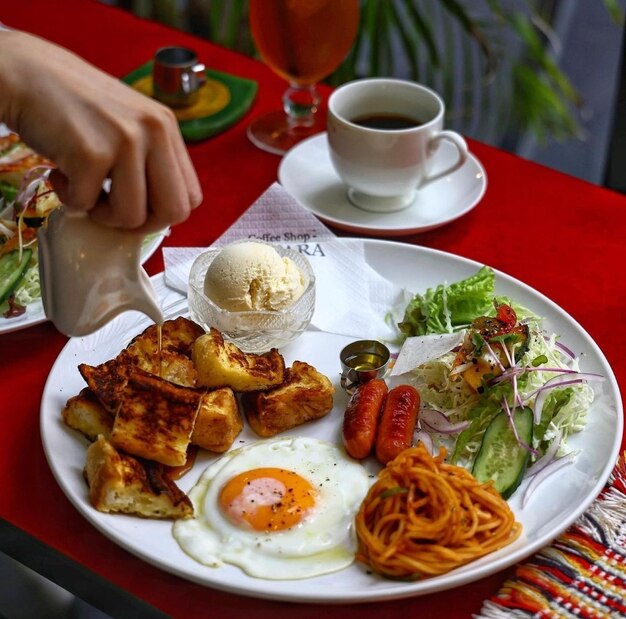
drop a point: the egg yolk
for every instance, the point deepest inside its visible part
(267, 499)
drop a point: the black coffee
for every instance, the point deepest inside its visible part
(388, 122)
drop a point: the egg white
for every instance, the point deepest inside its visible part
(322, 542)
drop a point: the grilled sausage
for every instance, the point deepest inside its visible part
(397, 422)
(361, 417)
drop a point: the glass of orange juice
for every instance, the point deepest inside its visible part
(303, 41)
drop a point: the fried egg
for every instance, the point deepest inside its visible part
(278, 509)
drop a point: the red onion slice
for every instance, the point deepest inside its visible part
(426, 439)
(508, 354)
(495, 357)
(436, 421)
(562, 347)
(30, 184)
(516, 371)
(546, 472)
(460, 368)
(509, 414)
(569, 378)
(548, 457)
(565, 349)
(6, 231)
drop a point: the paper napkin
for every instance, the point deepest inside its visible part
(351, 297)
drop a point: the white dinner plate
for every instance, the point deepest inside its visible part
(307, 173)
(35, 314)
(552, 508)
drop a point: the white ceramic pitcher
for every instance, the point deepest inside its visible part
(89, 273)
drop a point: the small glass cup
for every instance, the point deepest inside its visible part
(252, 331)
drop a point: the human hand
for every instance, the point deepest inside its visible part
(94, 127)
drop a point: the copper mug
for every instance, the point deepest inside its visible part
(177, 76)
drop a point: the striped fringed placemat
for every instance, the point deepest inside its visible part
(581, 575)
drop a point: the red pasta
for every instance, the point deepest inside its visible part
(424, 517)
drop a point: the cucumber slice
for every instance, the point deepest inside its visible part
(500, 457)
(12, 271)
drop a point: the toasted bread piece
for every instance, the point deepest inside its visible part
(172, 361)
(169, 365)
(177, 369)
(84, 413)
(169, 357)
(219, 420)
(177, 335)
(305, 395)
(155, 419)
(107, 380)
(223, 364)
(120, 483)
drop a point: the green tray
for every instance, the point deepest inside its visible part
(240, 94)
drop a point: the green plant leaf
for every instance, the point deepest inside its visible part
(423, 30)
(408, 44)
(615, 11)
(471, 27)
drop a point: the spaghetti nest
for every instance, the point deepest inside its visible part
(424, 517)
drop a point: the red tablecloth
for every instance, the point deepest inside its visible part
(558, 234)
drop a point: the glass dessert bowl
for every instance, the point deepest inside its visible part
(252, 330)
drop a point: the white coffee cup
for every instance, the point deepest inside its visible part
(384, 167)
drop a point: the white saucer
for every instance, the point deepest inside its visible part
(308, 175)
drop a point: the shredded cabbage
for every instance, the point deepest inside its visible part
(565, 408)
(29, 289)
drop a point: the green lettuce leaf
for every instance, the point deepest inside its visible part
(447, 308)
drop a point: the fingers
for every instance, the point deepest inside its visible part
(94, 127)
(169, 192)
(188, 172)
(79, 184)
(59, 183)
(153, 182)
(125, 205)
(171, 185)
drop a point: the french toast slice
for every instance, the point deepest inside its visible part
(107, 380)
(177, 334)
(169, 365)
(169, 358)
(223, 364)
(155, 419)
(305, 395)
(167, 354)
(119, 482)
(219, 421)
(84, 413)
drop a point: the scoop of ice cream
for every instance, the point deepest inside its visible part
(253, 276)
